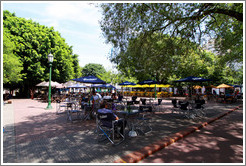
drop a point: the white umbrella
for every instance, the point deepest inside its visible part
(46, 84)
(41, 83)
(69, 83)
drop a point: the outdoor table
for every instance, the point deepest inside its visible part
(130, 118)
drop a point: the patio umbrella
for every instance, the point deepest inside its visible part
(41, 83)
(126, 84)
(103, 86)
(160, 86)
(90, 79)
(138, 86)
(46, 84)
(197, 87)
(69, 83)
(76, 86)
(149, 82)
(193, 79)
(224, 86)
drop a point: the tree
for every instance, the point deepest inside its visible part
(163, 58)
(93, 69)
(32, 43)
(12, 65)
(196, 22)
(113, 77)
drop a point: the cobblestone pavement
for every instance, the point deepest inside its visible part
(35, 135)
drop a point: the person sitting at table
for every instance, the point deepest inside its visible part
(114, 97)
(83, 97)
(102, 94)
(103, 109)
(120, 97)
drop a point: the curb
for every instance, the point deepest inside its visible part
(136, 156)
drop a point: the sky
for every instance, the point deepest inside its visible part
(77, 22)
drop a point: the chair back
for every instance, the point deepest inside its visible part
(143, 101)
(183, 106)
(105, 119)
(174, 102)
(120, 98)
(105, 116)
(134, 98)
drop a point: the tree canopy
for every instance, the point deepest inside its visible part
(164, 59)
(133, 29)
(93, 69)
(12, 65)
(32, 43)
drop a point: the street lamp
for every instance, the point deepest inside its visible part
(50, 59)
(155, 85)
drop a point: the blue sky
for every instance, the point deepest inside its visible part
(77, 22)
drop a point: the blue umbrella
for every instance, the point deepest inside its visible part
(109, 86)
(90, 79)
(193, 79)
(76, 86)
(149, 82)
(235, 86)
(127, 83)
(103, 86)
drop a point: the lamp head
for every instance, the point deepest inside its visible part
(50, 58)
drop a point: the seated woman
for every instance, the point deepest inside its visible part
(103, 109)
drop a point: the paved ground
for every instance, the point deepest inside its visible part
(218, 142)
(35, 135)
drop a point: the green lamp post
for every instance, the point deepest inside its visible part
(155, 85)
(50, 59)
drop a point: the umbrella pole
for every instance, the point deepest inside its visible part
(155, 91)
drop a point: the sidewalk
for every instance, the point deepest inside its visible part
(219, 142)
(41, 136)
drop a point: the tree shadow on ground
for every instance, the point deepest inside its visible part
(49, 138)
(220, 144)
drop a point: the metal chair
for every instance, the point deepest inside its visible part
(185, 110)
(157, 106)
(73, 108)
(59, 106)
(144, 119)
(108, 128)
(143, 101)
(175, 106)
(134, 100)
(199, 108)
